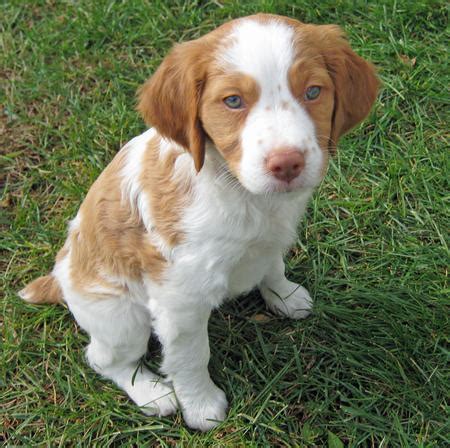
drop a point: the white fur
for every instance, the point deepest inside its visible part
(234, 241)
(265, 52)
(131, 187)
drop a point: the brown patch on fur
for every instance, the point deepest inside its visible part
(356, 84)
(308, 71)
(43, 290)
(170, 99)
(224, 125)
(349, 83)
(167, 197)
(111, 241)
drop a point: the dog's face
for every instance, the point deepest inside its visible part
(272, 94)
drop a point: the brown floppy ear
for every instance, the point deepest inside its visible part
(169, 99)
(355, 82)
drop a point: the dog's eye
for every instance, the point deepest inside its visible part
(312, 93)
(233, 101)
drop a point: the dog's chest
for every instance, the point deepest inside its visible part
(230, 244)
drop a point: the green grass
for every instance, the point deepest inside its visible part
(368, 368)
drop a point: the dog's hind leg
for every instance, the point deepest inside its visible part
(119, 330)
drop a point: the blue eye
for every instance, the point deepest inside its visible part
(312, 93)
(233, 101)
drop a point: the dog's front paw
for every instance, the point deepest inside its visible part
(206, 409)
(151, 395)
(290, 300)
(160, 401)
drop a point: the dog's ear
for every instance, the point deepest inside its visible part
(355, 81)
(169, 100)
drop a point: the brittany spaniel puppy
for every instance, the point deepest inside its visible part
(201, 207)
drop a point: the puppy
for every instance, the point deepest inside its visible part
(202, 206)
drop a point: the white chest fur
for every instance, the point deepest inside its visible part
(229, 236)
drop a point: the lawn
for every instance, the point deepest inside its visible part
(368, 368)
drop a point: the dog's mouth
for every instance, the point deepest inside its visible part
(285, 186)
(233, 181)
(276, 187)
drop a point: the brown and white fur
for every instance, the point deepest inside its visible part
(202, 206)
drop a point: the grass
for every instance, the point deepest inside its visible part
(368, 368)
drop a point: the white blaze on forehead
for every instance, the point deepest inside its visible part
(263, 50)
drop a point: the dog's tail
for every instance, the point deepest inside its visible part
(42, 290)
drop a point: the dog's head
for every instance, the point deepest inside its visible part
(272, 94)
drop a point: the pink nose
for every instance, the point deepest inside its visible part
(285, 165)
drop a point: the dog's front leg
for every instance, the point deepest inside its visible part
(281, 295)
(183, 333)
